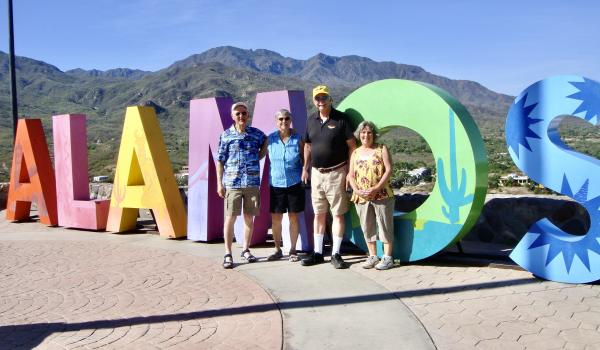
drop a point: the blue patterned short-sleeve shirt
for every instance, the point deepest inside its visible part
(240, 155)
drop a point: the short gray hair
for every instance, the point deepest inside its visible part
(238, 104)
(366, 124)
(283, 113)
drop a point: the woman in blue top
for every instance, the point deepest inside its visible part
(286, 192)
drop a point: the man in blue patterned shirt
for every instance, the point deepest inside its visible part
(241, 147)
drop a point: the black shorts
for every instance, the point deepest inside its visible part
(287, 199)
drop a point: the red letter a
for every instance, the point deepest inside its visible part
(31, 176)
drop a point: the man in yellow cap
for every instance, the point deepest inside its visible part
(329, 141)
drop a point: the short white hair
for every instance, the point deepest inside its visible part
(238, 104)
(283, 113)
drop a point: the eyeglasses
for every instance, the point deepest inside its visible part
(284, 119)
(322, 98)
(237, 114)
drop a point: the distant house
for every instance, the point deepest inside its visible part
(101, 178)
(417, 176)
(520, 180)
(183, 174)
(420, 172)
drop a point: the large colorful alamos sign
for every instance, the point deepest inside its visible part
(144, 176)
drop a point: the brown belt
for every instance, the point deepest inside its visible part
(330, 169)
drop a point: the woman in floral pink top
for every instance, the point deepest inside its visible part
(369, 176)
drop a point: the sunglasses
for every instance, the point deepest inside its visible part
(284, 119)
(237, 114)
(321, 98)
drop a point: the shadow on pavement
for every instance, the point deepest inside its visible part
(27, 336)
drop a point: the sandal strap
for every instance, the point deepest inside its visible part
(248, 257)
(228, 264)
(246, 251)
(275, 256)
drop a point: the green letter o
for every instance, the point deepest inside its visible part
(458, 196)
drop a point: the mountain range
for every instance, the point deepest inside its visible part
(44, 90)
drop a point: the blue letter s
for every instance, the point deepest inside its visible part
(535, 146)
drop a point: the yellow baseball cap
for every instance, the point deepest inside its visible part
(321, 89)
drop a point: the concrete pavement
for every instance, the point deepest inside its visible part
(475, 307)
(79, 289)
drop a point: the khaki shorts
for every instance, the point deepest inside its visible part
(380, 212)
(234, 198)
(328, 190)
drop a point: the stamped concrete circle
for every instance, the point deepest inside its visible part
(92, 294)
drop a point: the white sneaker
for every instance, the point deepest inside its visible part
(385, 263)
(371, 261)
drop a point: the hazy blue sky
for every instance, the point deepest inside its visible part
(505, 45)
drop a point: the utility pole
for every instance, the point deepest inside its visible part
(11, 64)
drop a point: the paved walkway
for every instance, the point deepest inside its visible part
(466, 307)
(79, 289)
(92, 294)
